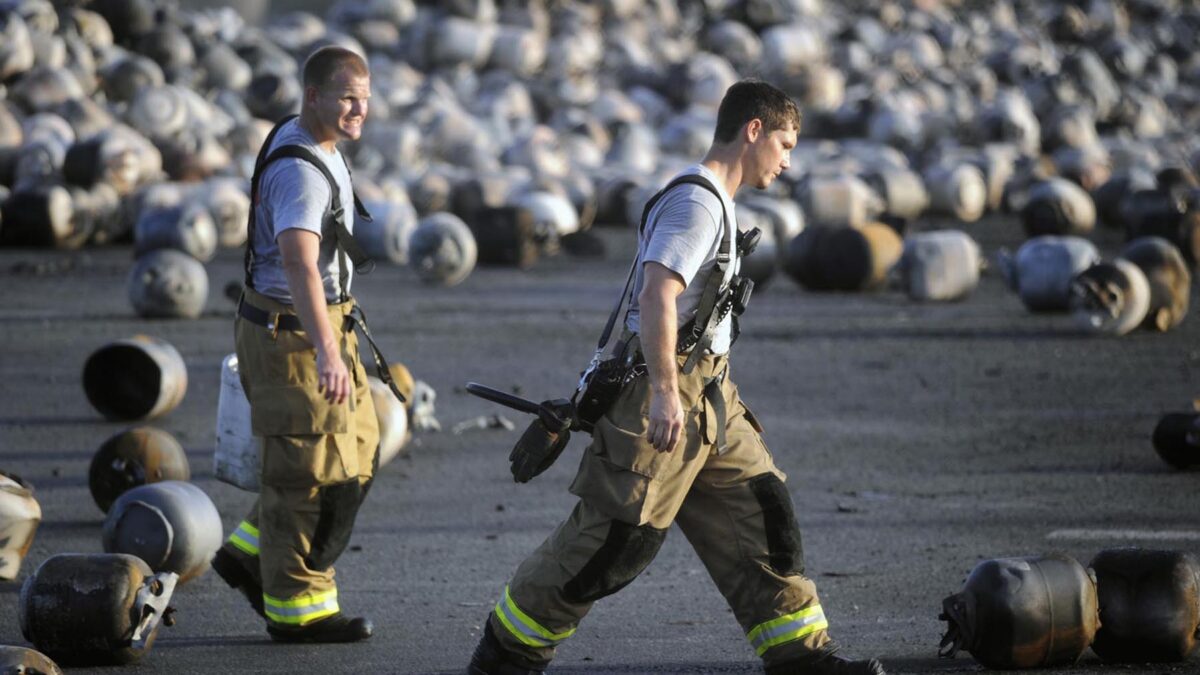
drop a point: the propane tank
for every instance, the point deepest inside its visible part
(1058, 206)
(168, 284)
(840, 200)
(24, 661)
(135, 457)
(1023, 612)
(1043, 268)
(941, 265)
(171, 525)
(442, 249)
(136, 378)
(506, 235)
(957, 190)
(1110, 298)
(1177, 439)
(902, 191)
(188, 227)
(393, 420)
(19, 518)
(1169, 279)
(95, 609)
(825, 258)
(1149, 605)
(236, 457)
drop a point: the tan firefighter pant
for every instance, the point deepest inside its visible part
(732, 507)
(307, 444)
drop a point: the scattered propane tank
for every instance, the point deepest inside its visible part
(25, 661)
(95, 609)
(1176, 439)
(1042, 270)
(1149, 605)
(941, 265)
(135, 457)
(135, 378)
(172, 525)
(1028, 612)
(1110, 298)
(20, 515)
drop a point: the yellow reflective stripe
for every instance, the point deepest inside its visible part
(245, 538)
(523, 627)
(301, 609)
(787, 628)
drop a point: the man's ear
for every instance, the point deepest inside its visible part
(752, 130)
(310, 95)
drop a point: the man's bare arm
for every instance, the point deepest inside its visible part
(299, 249)
(660, 289)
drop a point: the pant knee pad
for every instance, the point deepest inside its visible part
(626, 551)
(785, 552)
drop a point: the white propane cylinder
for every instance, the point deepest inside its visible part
(393, 420)
(236, 458)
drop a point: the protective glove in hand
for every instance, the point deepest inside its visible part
(543, 441)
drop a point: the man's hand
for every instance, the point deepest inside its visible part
(666, 420)
(333, 379)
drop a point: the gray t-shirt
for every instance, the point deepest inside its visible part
(293, 193)
(683, 231)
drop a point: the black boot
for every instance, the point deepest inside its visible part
(228, 568)
(829, 665)
(335, 628)
(491, 659)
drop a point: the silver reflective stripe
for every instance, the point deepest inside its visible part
(530, 635)
(306, 610)
(246, 536)
(787, 628)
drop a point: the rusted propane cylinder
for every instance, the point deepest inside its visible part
(1110, 298)
(1023, 612)
(95, 609)
(1169, 279)
(135, 457)
(25, 661)
(136, 378)
(1149, 605)
(19, 518)
(1177, 439)
(393, 420)
(173, 526)
(843, 258)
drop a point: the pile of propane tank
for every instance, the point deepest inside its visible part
(160, 530)
(501, 130)
(1130, 605)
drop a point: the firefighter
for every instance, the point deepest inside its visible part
(677, 445)
(299, 363)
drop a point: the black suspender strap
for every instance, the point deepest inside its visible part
(723, 261)
(347, 245)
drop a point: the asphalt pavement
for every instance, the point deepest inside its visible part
(919, 439)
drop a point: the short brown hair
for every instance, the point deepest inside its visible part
(321, 65)
(754, 99)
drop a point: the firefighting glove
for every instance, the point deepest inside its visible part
(543, 441)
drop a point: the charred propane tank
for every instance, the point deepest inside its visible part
(95, 609)
(1023, 612)
(1149, 605)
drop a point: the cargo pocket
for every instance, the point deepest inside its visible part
(305, 438)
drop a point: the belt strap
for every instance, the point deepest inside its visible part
(712, 392)
(274, 321)
(358, 319)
